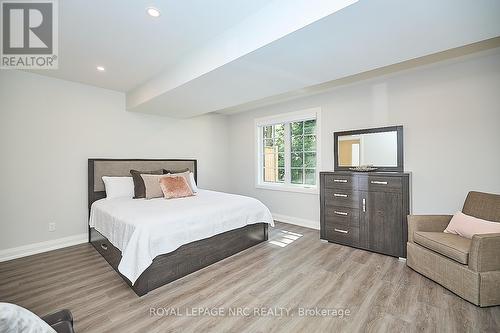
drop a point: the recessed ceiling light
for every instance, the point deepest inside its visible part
(100, 68)
(153, 12)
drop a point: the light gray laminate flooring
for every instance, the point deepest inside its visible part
(292, 271)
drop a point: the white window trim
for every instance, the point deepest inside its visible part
(282, 118)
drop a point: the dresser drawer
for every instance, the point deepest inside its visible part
(342, 198)
(340, 181)
(342, 234)
(342, 216)
(381, 184)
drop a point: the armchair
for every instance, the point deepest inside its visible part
(468, 267)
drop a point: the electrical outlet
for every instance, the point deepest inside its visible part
(52, 226)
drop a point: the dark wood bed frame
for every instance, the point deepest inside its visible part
(187, 258)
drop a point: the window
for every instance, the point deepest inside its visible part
(303, 152)
(287, 157)
(274, 153)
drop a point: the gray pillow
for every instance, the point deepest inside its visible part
(152, 185)
(139, 187)
(165, 171)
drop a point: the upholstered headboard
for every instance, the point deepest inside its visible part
(121, 167)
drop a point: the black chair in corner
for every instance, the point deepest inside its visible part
(61, 321)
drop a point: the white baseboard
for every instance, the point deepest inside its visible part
(30, 249)
(297, 221)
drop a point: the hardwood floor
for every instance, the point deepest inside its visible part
(381, 292)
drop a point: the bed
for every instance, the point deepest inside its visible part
(153, 242)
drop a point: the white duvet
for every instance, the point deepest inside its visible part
(143, 229)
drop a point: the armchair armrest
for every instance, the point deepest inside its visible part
(62, 315)
(484, 253)
(432, 223)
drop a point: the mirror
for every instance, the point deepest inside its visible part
(378, 147)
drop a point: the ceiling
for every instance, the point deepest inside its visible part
(132, 46)
(208, 56)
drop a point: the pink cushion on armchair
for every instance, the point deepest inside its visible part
(468, 226)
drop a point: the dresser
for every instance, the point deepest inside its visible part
(365, 210)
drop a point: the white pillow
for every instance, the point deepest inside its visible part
(14, 318)
(189, 176)
(192, 183)
(118, 187)
(468, 226)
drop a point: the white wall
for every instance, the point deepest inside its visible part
(48, 129)
(451, 117)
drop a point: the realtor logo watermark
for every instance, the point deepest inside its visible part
(29, 34)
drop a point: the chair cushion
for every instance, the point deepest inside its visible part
(449, 245)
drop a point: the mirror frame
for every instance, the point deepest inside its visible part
(398, 129)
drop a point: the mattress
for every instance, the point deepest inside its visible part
(143, 229)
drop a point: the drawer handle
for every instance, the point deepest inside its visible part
(378, 182)
(340, 195)
(341, 231)
(340, 180)
(340, 213)
(104, 247)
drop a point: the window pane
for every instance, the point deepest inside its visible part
(281, 175)
(297, 176)
(270, 161)
(281, 160)
(310, 178)
(309, 160)
(297, 128)
(310, 143)
(296, 161)
(280, 143)
(279, 130)
(301, 147)
(298, 143)
(268, 143)
(269, 175)
(273, 163)
(268, 132)
(310, 127)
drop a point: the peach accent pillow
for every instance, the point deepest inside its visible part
(468, 226)
(175, 187)
(189, 179)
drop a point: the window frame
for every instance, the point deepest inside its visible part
(286, 118)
